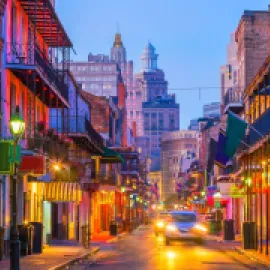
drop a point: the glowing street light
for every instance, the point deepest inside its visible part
(17, 125)
(57, 167)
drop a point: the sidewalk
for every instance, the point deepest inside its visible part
(237, 245)
(105, 237)
(52, 258)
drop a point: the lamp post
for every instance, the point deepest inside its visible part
(17, 127)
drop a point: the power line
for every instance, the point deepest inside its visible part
(194, 88)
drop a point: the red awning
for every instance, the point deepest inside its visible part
(35, 165)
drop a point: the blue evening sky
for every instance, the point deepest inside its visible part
(190, 38)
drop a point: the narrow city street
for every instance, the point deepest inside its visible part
(143, 250)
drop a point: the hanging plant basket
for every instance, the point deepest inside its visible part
(55, 137)
(50, 132)
(40, 126)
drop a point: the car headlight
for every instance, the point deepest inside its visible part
(171, 228)
(200, 227)
(160, 224)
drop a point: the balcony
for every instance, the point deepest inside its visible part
(262, 125)
(32, 66)
(80, 130)
(105, 178)
(233, 101)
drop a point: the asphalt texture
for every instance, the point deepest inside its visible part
(144, 251)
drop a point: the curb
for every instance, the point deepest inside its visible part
(252, 256)
(241, 251)
(75, 260)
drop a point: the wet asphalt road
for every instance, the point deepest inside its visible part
(144, 251)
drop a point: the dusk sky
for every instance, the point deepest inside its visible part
(190, 38)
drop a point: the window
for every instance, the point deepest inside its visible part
(137, 113)
(153, 115)
(146, 115)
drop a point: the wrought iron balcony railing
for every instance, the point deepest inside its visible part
(232, 96)
(31, 55)
(77, 125)
(105, 177)
(262, 127)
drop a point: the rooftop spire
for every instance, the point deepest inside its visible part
(118, 41)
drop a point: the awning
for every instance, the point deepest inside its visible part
(62, 192)
(34, 165)
(46, 178)
(111, 156)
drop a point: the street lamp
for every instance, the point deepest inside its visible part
(17, 127)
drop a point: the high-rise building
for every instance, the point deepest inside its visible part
(193, 124)
(160, 111)
(211, 110)
(97, 76)
(230, 91)
(176, 146)
(151, 80)
(160, 116)
(118, 51)
(253, 43)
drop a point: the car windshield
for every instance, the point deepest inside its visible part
(184, 217)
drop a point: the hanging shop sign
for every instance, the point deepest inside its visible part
(6, 164)
(236, 191)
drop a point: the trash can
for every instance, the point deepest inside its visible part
(249, 240)
(37, 236)
(2, 234)
(24, 238)
(113, 228)
(30, 239)
(228, 229)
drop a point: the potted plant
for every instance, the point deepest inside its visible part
(40, 126)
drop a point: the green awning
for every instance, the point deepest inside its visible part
(111, 156)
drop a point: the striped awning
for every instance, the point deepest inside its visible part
(62, 192)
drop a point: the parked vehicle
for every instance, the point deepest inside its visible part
(184, 225)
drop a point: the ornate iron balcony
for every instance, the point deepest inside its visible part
(32, 57)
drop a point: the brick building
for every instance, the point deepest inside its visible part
(253, 42)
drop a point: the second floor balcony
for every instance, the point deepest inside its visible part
(105, 177)
(80, 130)
(262, 127)
(233, 101)
(35, 69)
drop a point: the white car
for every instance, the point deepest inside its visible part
(184, 225)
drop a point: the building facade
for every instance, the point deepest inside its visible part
(230, 91)
(193, 125)
(160, 116)
(98, 76)
(151, 79)
(175, 147)
(211, 110)
(253, 43)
